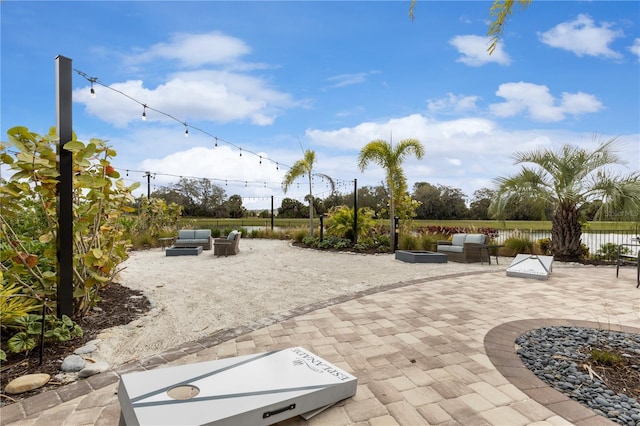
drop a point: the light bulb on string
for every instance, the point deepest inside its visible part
(261, 159)
(92, 91)
(144, 112)
(216, 142)
(186, 130)
(240, 152)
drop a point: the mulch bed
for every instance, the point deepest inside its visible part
(119, 306)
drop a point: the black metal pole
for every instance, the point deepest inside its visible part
(148, 174)
(64, 243)
(321, 227)
(396, 230)
(272, 212)
(355, 211)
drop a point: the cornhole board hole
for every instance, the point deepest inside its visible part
(531, 266)
(258, 389)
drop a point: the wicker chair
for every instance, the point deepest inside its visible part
(227, 246)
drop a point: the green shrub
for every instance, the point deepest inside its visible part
(340, 220)
(299, 235)
(609, 251)
(409, 242)
(545, 246)
(519, 245)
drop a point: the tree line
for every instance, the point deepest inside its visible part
(202, 198)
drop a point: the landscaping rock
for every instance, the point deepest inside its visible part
(73, 363)
(93, 368)
(86, 349)
(26, 383)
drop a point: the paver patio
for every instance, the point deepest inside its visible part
(434, 351)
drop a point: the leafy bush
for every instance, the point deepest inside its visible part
(609, 251)
(518, 245)
(56, 329)
(299, 235)
(29, 225)
(409, 242)
(340, 221)
(545, 246)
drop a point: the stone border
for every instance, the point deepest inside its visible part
(499, 344)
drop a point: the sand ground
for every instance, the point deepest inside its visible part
(196, 296)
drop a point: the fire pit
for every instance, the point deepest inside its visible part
(420, 256)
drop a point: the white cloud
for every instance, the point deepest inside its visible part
(343, 80)
(452, 102)
(582, 37)
(195, 50)
(464, 153)
(454, 161)
(635, 48)
(539, 104)
(474, 51)
(212, 95)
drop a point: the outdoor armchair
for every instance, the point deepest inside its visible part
(227, 246)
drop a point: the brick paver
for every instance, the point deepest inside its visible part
(433, 351)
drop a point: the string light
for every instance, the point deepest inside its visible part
(92, 91)
(93, 80)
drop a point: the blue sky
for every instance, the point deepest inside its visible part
(270, 78)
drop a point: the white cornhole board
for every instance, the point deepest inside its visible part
(531, 266)
(259, 389)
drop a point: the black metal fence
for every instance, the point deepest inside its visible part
(594, 240)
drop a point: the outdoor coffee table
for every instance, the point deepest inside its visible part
(183, 251)
(166, 242)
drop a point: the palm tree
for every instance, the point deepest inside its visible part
(390, 158)
(500, 10)
(304, 167)
(567, 180)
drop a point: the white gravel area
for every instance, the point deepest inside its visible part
(196, 296)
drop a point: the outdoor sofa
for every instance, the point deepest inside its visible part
(227, 246)
(194, 238)
(465, 248)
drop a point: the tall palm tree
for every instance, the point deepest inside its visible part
(304, 167)
(565, 180)
(390, 158)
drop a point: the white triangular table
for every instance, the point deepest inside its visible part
(531, 266)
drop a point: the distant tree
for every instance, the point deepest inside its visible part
(169, 195)
(567, 179)
(234, 207)
(439, 202)
(304, 167)
(264, 214)
(373, 197)
(390, 158)
(199, 197)
(292, 209)
(479, 206)
(430, 203)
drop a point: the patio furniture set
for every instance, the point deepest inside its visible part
(191, 242)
